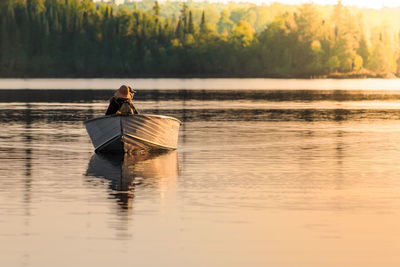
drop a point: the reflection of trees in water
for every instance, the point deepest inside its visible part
(126, 172)
(185, 111)
(339, 155)
(318, 115)
(90, 95)
(28, 158)
(284, 114)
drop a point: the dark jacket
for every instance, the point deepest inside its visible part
(116, 103)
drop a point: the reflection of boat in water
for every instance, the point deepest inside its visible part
(118, 134)
(125, 171)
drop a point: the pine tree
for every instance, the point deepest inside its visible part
(203, 26)
(184, 17)
(156, 9)
(190, 24)
(363, 50)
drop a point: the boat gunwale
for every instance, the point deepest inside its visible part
(132, 115)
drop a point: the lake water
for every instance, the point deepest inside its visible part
(262, 177)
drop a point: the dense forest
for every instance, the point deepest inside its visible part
(82, 38)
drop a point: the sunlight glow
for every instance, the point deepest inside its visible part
(365, 3)
(358, 3)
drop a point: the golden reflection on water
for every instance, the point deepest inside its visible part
(259, 183)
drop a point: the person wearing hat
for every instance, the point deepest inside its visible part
(121, 102)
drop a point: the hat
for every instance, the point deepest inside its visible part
(123, 92)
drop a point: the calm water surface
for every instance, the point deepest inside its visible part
(259, 179)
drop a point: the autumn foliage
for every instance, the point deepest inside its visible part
(80, 38)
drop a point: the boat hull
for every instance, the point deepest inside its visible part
(131, 133)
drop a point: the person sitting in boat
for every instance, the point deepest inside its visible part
(121, 102)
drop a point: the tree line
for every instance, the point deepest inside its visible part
(82, 38)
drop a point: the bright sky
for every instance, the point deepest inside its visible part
(360, 3)
(363, 3)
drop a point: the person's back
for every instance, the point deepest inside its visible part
(121, 102)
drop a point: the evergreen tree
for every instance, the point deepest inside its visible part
(184, 17)
(203, 19)
(156, 9)
(190, 24)
(363, 50)
(81, 37)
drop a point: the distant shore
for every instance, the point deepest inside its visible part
(361, 74)
(364, 73)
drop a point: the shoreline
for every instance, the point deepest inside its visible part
(361, 74)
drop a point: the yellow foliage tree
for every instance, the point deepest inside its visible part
(242, 34)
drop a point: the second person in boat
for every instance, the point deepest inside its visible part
(121, 102)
